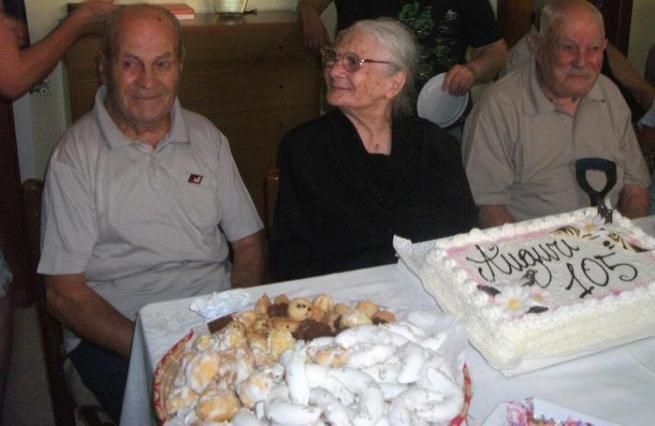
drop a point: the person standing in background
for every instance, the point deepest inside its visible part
(22, 67)
(444, 30)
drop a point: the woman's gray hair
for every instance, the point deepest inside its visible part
(556, 11)
(107, 43)
(399, 42)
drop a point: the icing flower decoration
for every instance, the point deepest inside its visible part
(596, 222)
(598, 227)
(515, 300)
(540, 297)
(607, 234)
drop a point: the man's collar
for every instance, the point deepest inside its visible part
(115, 138)
(535, 101)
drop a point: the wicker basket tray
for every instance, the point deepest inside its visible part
(167, 369)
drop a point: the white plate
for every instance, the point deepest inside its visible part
(546, 410)
(439, 106)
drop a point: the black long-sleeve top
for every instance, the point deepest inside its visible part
(338, 206)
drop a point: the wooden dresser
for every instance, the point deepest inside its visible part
(251, 77)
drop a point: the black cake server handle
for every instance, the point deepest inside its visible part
(597, 197)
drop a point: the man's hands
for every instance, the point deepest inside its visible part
(633, 201)
(494, 215)
(249, 260)
(483, 67)
(459, 79)
(87, 314)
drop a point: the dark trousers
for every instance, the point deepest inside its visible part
(104, 373)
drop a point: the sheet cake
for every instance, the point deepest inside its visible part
(542, 291)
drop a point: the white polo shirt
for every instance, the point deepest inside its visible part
(143, 224)
(520, 151)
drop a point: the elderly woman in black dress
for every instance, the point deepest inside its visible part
(369, 169)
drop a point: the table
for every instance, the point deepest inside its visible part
(617, 385)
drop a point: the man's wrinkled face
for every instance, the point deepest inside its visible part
(571, 58)
(143, 72)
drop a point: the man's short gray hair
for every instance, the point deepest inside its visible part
(107, 44)
(399, 42)
(556, 10)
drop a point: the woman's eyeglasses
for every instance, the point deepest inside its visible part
(350, 61)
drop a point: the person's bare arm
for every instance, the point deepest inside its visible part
(628, 75)
(633, 201)
(21, 69)
(315, 35)
(483, 67)
(249, 260)
(17, 28)
(87, 314)
(494, 215)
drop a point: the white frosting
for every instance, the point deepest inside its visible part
(591, 291)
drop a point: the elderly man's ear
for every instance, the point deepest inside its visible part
(103, 69)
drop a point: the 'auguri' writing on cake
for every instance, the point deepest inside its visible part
(534, 264)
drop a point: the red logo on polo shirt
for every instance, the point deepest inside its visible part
(197, 179)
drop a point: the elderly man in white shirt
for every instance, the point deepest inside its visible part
(142, 203)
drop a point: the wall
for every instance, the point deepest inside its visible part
(642, 32)
(49, 115)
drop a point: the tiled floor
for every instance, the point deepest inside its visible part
(27, 401)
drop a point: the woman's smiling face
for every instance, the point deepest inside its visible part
(370, 86)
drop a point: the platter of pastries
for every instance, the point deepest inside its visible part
(313, 361)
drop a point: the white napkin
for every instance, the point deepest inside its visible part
(649, 118)
(216, 305)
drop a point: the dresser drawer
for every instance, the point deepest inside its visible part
(208, 92)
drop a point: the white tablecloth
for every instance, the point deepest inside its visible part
(617, 385)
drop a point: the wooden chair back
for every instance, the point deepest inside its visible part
(51, 331)
(649, 72)
(272, 184)
(270, 199)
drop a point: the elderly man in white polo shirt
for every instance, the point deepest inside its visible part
(142, 201)
(524, 136)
